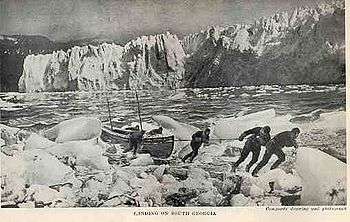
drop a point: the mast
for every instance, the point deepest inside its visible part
(109, 113)
(138, 109)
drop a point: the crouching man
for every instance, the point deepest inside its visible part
(275, 145)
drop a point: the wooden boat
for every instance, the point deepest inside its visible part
(157, 147)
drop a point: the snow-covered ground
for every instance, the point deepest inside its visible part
(75, 169)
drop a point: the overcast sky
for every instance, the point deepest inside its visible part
(122, 20)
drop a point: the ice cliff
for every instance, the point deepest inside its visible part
(146, 62)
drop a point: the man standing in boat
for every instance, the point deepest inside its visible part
(198, 139)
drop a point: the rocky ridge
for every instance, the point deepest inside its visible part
(295, 48)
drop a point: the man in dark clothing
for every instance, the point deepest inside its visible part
(259, 136)
(198, 139)
(275, 145)
(135, 141)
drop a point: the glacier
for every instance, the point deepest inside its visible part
(306, 46)
(148, 62)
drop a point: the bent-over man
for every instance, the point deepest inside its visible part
(275, 145)
(258, 137)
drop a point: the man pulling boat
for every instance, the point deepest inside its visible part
(274, 147)
(136, 138)
(258, 137)
(135, 141)
(198, 139)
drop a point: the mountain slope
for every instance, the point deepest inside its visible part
(13, 50)
(307, 46)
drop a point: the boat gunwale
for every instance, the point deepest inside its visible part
(165, 139)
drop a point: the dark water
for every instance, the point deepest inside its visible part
(194, 106)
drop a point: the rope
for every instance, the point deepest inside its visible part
(225, 139)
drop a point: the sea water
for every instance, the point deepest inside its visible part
(192, 106)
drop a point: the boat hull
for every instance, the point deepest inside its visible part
(157, 147)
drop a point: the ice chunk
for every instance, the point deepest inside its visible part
(42, 194)
(12, 177)
(210, 198)
(255, 191)
(36, 141)
(159, 171)
(114, 202)
(181, 130)
(42, 168)
(207, 154)
(178, 96)
(82, 128)
(148, 190)
(314, 115)
(198, 180)
(332, 121)
(33, 167)
(142, 160)
(87, 153)
(281, 180)
(124, 174)
(233, 127)
(12, 166)
(170, 184)
(240, 200)
(7, 137)
(62, 203)
(29, 204)
(119, 188)
(270, 201)
(323, 177)
(244, 95)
